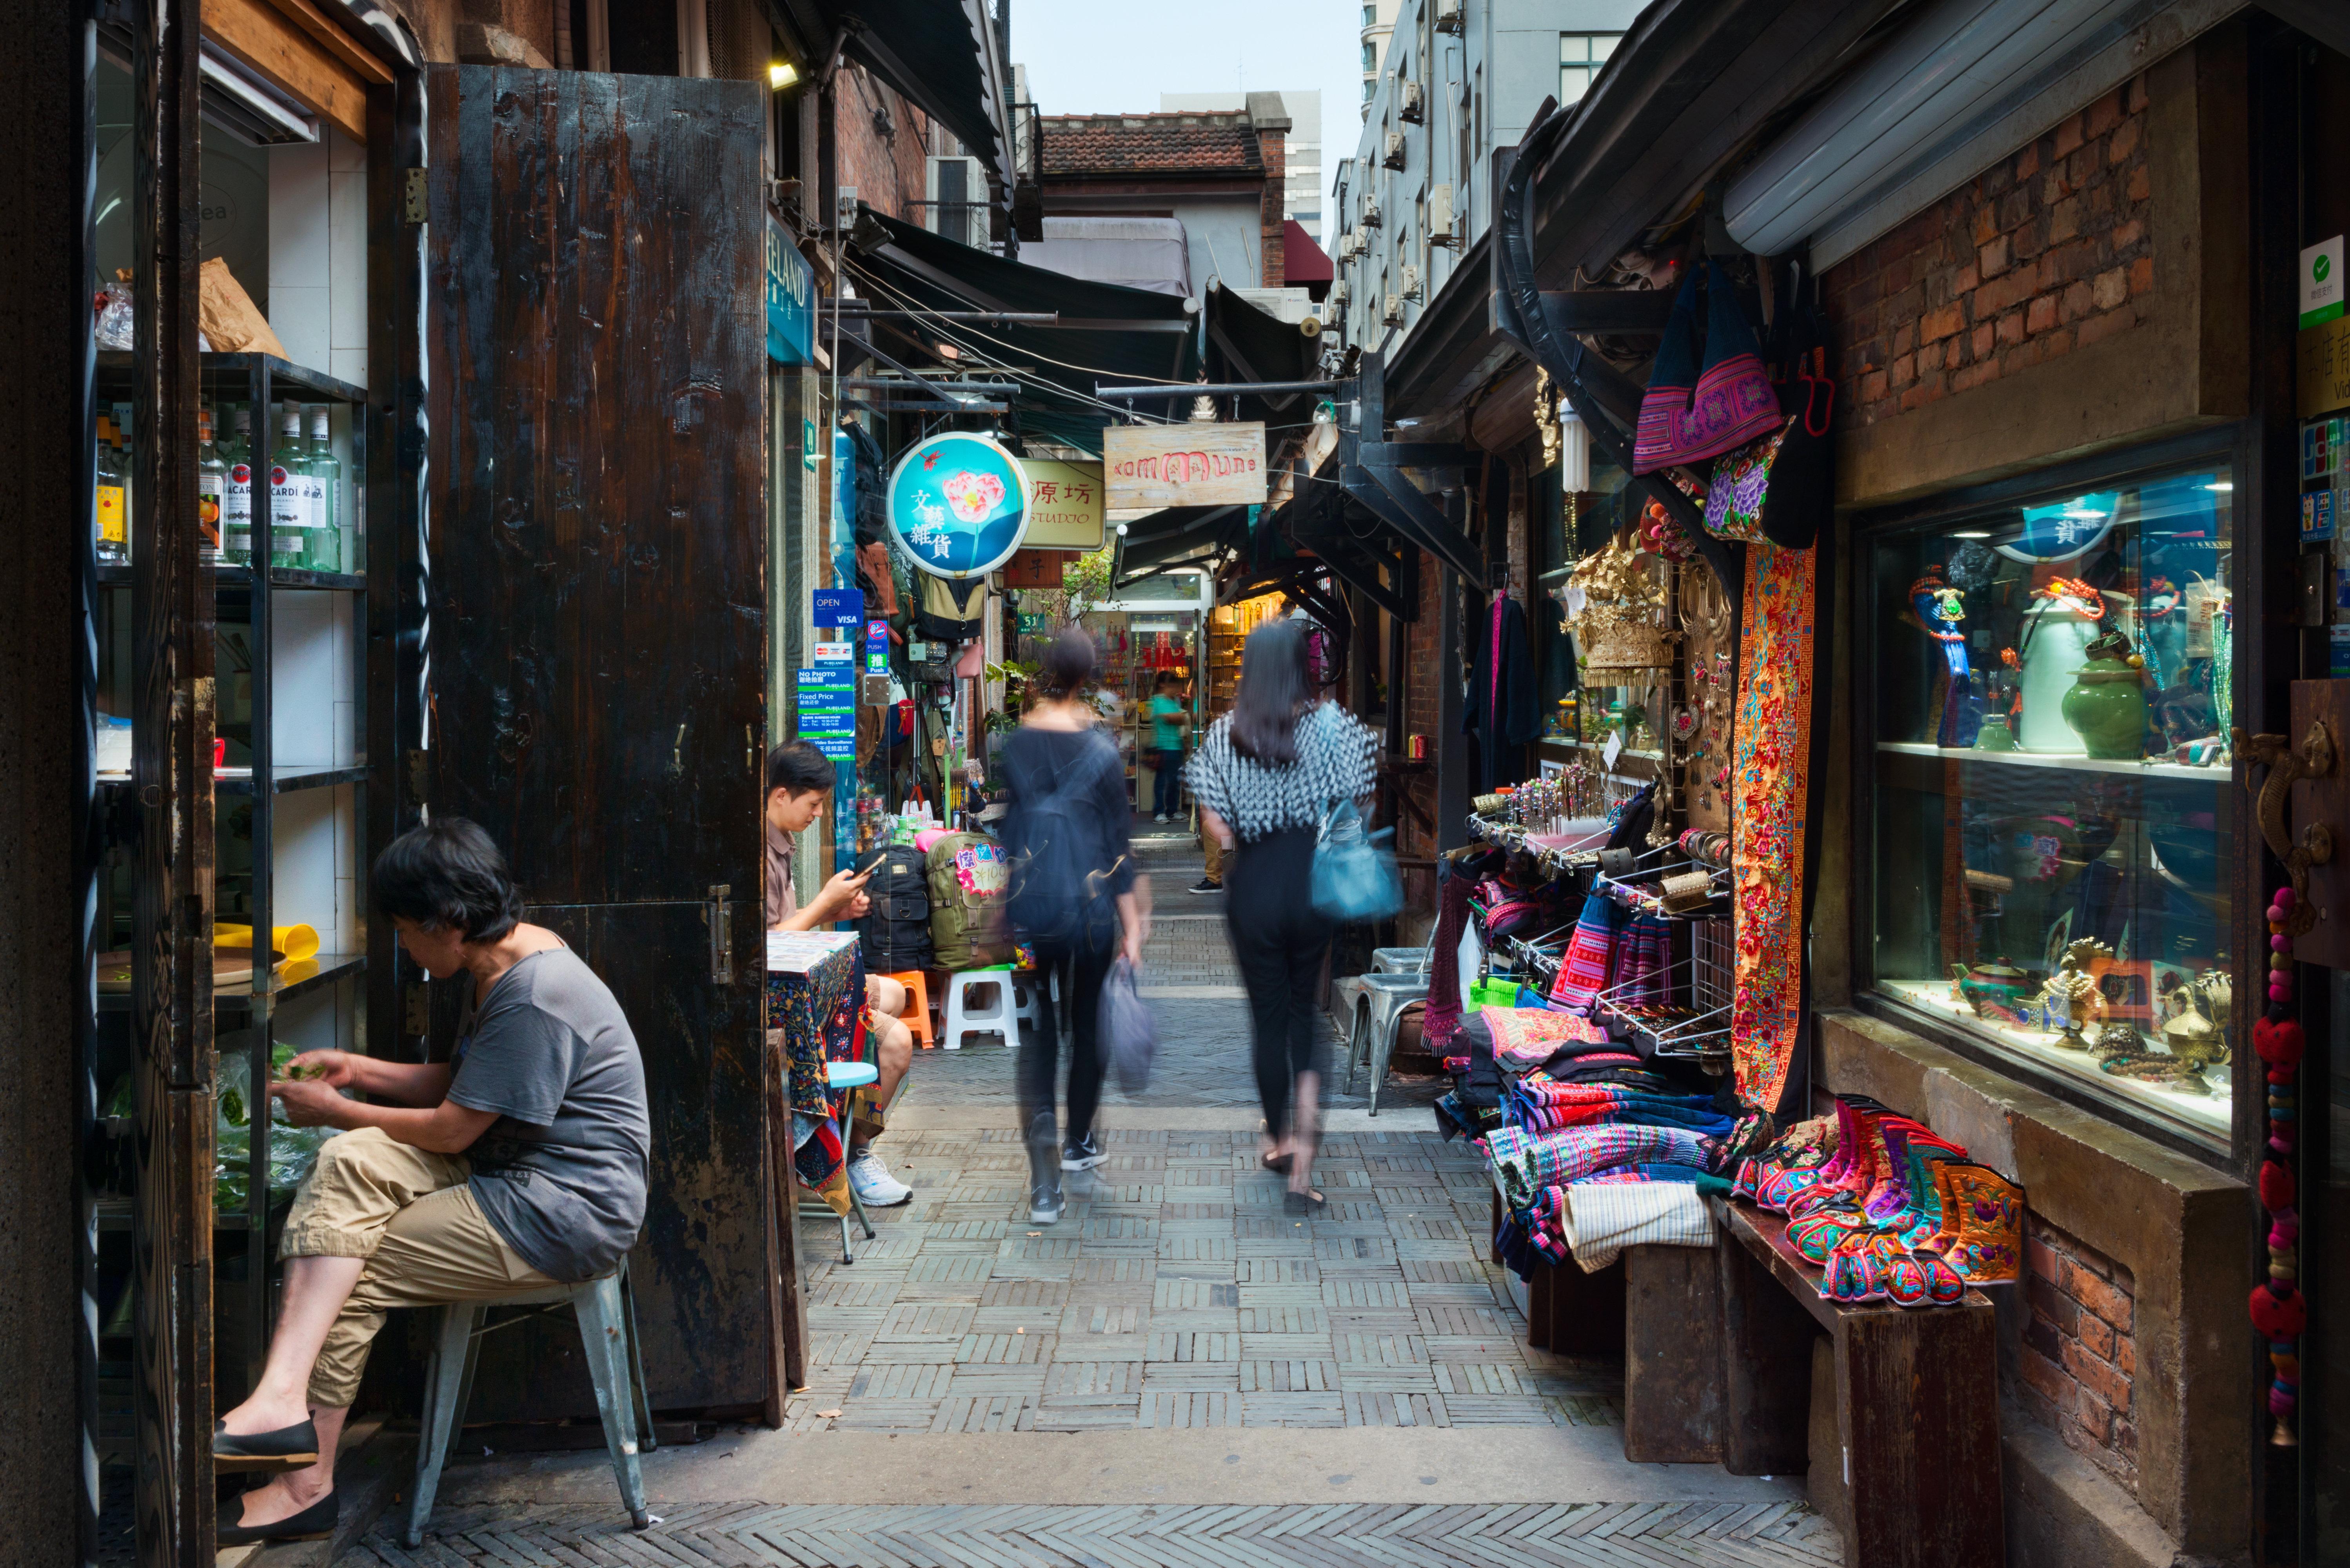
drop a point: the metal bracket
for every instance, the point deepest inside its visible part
(722, 935)
(2286, 764)
(412, 207)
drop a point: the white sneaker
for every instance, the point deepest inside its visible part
(1160, 817)
(876, 1187)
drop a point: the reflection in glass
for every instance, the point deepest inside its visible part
(2052, 811)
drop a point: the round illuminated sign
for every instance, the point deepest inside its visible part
(959, 504)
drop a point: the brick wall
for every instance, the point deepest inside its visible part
(2044, 252)
(888, 172)
(1423, 659)
(2079, 1353)
(1273, 146)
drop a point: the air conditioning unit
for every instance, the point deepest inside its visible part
(1411, 289)
(1370, 211)
(1449, 17)
(1337, 296)
(955, 192)
(1394, 314)
(1442, 229)
(1354, 246)
(1411, 103)
(1393, 157)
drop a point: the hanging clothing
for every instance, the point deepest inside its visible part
(1442, 1019)
(1504, 709)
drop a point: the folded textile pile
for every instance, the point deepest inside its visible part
(1524, 1163)
(1537, 1103)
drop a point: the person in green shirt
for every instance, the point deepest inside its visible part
(1167, 722)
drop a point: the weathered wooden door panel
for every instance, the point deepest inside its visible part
(597, 636)
(598, 383)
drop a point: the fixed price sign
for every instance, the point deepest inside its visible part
(1184, 465)
(959, 504)
(828, 709)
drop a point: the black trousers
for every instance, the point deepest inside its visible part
(1279, 944)
(1081, 971)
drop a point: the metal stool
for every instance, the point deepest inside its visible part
(1373, 1005)
(607, 1311)
(837, 1076)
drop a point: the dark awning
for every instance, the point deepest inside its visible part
(1246, 344)
(1175, 533)
(1303, 263)
(1107, 333)
(941, 56)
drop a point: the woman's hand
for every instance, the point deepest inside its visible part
(311, 1102)
(335, 1069)
(1129, 947)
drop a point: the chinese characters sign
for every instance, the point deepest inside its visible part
(1064, 504)
(1184, 464)
(959, 504)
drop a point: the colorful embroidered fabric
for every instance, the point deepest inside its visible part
(1526, 1163)
(1642, 955)
(1770, 778)
(1583, 973)
(1733, 505)
(815, 1001)
(1441, 1020)
(1526, 1035)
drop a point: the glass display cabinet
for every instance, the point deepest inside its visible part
(2053, 815)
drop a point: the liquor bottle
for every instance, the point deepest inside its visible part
(211, 486)
(236, 499)
(290, 518)
(112, 524)
(324, 473)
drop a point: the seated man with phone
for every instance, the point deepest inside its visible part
(799, 781)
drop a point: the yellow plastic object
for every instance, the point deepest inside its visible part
(293, 942)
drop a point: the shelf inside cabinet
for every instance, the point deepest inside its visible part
(229, 375)
(295, 980)
(294, 776)
(2185, 773)
(233, 578)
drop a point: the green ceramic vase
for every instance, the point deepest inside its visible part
(2106, 706)
(1995, 735)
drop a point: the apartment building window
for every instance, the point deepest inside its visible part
(1580, 56)
(1370, 56)
(1370, 16)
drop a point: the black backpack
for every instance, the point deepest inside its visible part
(1061, 861)
(896, 931)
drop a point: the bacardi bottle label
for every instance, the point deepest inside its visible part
(236, 511)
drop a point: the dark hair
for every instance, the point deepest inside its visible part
(447, 875)
(1167, 677)
(799, 767)
(1068, 666)
(1274, 691)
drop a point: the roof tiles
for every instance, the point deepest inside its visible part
(1173, 143)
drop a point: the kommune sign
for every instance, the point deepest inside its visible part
(1184, 464)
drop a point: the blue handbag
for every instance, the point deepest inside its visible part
(1354, 869)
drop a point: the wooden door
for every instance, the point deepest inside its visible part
(596, 640)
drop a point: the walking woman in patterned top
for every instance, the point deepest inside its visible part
(1264, 776)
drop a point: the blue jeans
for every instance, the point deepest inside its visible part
(1168, 785)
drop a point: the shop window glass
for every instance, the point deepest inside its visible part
(1566, 529)
(2054, 807)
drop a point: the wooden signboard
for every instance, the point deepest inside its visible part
(1065, 507)
(1184, 465)
(1034, 569)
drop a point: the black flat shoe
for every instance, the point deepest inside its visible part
(1279, 1162)
(1307, 1202)
(315, 1523)
(291, 1447)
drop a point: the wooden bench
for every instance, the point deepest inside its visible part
(1917, 1402)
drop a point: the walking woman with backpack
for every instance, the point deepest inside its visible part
(1073, 898)
(1263, 777)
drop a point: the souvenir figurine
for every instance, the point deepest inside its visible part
(2072, 992)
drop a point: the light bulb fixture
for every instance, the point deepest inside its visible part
(781, 75)
(1573, 453)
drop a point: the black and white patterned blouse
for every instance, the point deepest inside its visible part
(1338, 759)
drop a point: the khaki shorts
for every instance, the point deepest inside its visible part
(426, 1242)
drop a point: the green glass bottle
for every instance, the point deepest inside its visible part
(236, 499)
(290, 521)
(324, 475)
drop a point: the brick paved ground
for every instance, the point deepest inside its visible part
(1175, 1292)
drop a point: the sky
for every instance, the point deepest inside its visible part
(1103, 56)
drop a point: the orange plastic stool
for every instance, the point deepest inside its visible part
(917, 993)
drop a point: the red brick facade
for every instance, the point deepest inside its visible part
(2045, 252)
(888, 172)
(2080, 1354)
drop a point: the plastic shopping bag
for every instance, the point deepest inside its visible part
(1128, 1031)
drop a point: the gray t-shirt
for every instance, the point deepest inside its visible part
(561, 1173)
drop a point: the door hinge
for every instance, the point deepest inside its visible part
(419, 1009)
(412, 195)
(722, 935)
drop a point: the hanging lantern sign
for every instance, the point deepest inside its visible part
(959, 504)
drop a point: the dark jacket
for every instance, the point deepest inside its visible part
(1504, 709)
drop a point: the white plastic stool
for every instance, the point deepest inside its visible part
(1015, 1001)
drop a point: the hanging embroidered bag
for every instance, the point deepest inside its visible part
(1779, 487)
(1691, 413)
